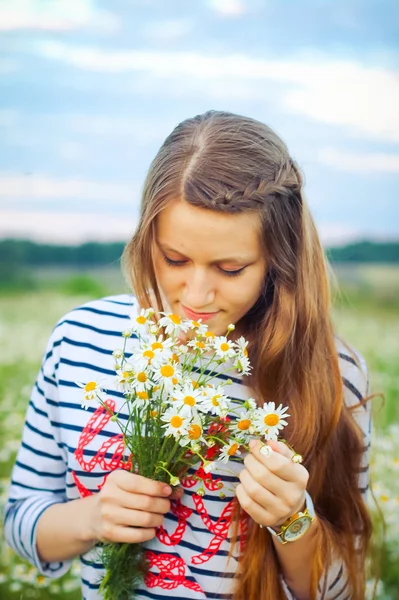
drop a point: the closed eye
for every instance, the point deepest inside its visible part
(181, 263)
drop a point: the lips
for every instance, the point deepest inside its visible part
(191, 314)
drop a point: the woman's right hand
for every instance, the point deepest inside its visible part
(129, 508)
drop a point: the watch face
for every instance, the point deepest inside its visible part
(297, 528)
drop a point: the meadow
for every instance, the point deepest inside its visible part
(366, 313)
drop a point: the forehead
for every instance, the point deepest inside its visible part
(190, 230)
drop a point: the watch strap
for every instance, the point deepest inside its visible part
(309, 508)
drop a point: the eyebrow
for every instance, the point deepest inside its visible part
(236, 259)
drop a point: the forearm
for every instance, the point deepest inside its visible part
(296, 560)
(63, 530)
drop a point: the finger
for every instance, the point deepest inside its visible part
(136, 501)
(259, 514)
(262, 496)
(265, 477)
(176, 494)
(278, 463)
(127, 535)
(130, 517)
(131, 482)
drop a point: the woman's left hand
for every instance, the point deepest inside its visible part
(272, 488)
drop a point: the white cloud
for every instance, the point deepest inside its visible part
(345, 93)
(51, 15)
(359, 162)
(36, 188)
(65, 227)
(227, 8)
(332, 234)
(169, 30)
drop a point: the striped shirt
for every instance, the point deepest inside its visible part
(66, 452)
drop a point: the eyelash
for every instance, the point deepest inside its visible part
(180, 263)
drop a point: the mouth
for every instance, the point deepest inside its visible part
(195, 316)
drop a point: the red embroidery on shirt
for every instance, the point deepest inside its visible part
(172, 572)
(220, 529)
(182, 513)
(96, 423)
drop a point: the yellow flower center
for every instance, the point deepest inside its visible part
(142, 395)
(175, 319)
(215, 400)
(156, 388)
(90, 387)
(200, 344)
(271, 420)
(224, 347)
(157, 346)
(232, 450)
(244, 424)
(189, 400)
(175, 358)
(195, 323)
(149, 354)
(153, 413)
(167, 371)
(245, 352)
(384, 498)
(195, 383)
(141, 320)
(40, 579)
(194, 432)
(176, 421)
(209, 334)
(142, 377)
(175, 381)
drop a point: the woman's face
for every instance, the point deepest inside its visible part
(209, 265)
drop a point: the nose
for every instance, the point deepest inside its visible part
(199, 292)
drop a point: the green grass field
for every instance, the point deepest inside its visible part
(366, 314)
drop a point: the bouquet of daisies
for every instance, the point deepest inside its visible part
(176, 416)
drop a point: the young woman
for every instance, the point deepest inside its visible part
(225, 236)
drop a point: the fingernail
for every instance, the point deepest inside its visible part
(252, 444)
(167, 490)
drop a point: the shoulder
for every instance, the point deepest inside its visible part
(355, 381)
(354, 371)
(100, 320)
(108, 312)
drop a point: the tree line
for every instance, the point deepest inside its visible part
(24, 253)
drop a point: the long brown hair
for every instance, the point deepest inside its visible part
(225, 162)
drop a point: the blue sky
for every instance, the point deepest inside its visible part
(89, 89)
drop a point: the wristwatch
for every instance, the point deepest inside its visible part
(296, 526)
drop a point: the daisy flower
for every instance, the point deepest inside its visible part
(174, 324)
(90, 392)
(188, 398)
(242, 365)
(229, 450)
(162, 349)
(168, 376)
(124, 377)
(269, 420)
(241, 345)
(140, 322)
(243, 425)
(224, 348)
(141, 381)
(199, 327)
(194, 435)
(214, 401)
(175, 423)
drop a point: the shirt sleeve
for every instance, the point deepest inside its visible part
(38, 477)
(334, 584)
